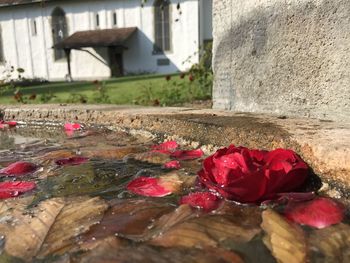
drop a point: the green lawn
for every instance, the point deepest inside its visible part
(144, 89)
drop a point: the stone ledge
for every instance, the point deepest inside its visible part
(324, 145)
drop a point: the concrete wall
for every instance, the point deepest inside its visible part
(35, 55)
(286, 57)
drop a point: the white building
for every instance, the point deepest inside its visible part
(103, 38)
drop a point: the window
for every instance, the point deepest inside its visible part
(162, 25)
(97, 20)
(59, 30)
(114, 18)
(33, 27)
(2, 59)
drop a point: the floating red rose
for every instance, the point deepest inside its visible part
(76, 160)
(13, 189)
(319, 213)
(251, 176)
(148, 186)
(19, 168)
(205, 200)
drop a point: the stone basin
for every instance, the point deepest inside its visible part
(324, 144)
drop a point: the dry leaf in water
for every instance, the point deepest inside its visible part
(333, 243)
(286, 241)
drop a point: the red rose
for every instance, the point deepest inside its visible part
(251, 176)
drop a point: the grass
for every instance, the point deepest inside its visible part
(126, 90)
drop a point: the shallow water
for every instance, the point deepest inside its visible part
(83, 213)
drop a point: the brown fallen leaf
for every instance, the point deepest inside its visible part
(332, 242)
(25, 231)
(151, 157)
(50, 227)
(112, 153)
(54, 155)
(127, 218)
(286, 241)
(176, 182)
(204, 231)
(111, 251)
(77, 216)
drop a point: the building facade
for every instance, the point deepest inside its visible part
(102, 38)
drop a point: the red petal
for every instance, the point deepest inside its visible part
(165, 147)
(204, 200)
(187, 154)
(72, 126)
(147, 186)
(11, 123)
(172, 165)
(3, 126)
(19, 168)
(13, 189)
(72, 160)
(320, 212)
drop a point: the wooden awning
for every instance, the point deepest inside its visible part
(97, 38)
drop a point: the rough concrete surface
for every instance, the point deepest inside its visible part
(282, 56)
(325, 145)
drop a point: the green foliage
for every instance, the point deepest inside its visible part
(47, 97)
(77, 98)
(100, 94)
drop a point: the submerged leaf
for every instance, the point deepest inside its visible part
(19, 168)
(333, 243)
(50, 227)
(187, 154)
(319, 213)
(128, 218)
(204, 231)
(75, 218)
(112, 251)
(76, 160)
(27, 230)
(147, 186)
(13, 189)
(286, 241)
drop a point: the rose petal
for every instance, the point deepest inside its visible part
(19, 168)
(165, 147)
(76, 160)
(13, 189)
(11, 123)
(319, 213)
(187, 154)
(172, 165)
(205, 200)
(147, 186)
(72, 126)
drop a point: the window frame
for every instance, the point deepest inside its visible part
(114, 19)
(59, 21)
(2, 54)
(166, 45)
(33, 27)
